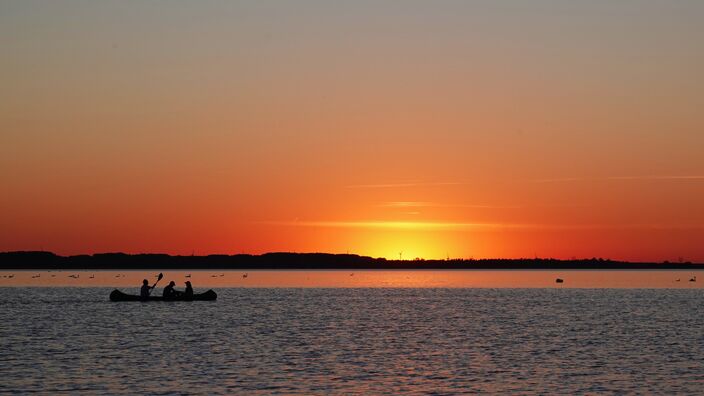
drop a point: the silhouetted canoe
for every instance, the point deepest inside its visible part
(117, 295)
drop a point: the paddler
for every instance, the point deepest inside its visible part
(189, 290)
(146, 289)
(169, 291)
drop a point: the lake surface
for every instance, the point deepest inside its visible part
(363, 279)
(354, 341)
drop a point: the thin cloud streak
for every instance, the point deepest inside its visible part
(685, 177)
(392, 225)
(557, 180)
(645, 178)
(414, 204)
(452, 226)
(409, 184)
(407, 204)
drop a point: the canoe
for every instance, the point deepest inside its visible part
(117, 295)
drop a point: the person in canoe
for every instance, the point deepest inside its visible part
(146, 290)
(189, 290)
(169, 291)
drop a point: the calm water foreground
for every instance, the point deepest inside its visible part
(354, 341)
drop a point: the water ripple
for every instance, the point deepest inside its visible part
(355, 341)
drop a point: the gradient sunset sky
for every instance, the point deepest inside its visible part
(433, 128)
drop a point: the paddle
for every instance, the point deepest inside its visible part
(157, 281)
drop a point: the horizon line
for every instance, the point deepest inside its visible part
(535, 258)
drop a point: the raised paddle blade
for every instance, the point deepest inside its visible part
(157, 281)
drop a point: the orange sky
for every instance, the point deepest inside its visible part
(426, 129)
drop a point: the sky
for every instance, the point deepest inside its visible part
(392, 129)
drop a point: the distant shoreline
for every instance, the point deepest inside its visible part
(306, 261)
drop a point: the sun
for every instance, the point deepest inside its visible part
(405, 244)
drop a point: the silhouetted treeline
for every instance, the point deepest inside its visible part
(309, 261)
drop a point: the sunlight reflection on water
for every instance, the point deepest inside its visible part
(353, 279)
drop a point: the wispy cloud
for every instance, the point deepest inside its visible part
(407, 204)
(461, 226)
(410, 184)
(556, 180)
(645, 178)
(415, 204)
(406, 184)
(680, 177)
(393, 225)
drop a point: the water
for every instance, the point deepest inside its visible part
(363, 279)
(354, 341)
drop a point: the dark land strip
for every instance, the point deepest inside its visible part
(307, 261)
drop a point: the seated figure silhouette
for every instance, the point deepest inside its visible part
(169, 291)
(146, 289)
(189, 290)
